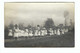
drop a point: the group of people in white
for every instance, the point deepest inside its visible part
(16, 32)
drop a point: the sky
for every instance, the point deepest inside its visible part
(37, 13)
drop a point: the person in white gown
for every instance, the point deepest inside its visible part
(22, 33)
(62, 31)
(42, 32)
(26, 32)
(51, 31)
(36, 32)
(58, 32)
(45, 32)
(16, 33)
(10, 32)
(55, 31)
(30, 34)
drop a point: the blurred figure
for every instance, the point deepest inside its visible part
(10, 33)
(26, 32)
(16, 32)
(58, 31)
(51, 31)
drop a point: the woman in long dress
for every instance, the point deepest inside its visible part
(22, 33)
(58, 32)
(10, 33)
(42, 32)
(62, 31)
(51, 31)
(26, 33)
(30, 34)
(55, 31)
(16, 33)
(45, 32)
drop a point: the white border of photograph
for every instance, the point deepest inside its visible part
(42, 50)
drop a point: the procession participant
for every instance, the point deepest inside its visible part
(51, 31)
(22, 33)
(48, 32)
(16, 32)
(45, 32)
(42, 32)
(55, 31)
(62, 31)
(38, 28)
(36, 31)
(26, 32)
(58, 31)
(30, 34)
(10, 33)
(39, 32)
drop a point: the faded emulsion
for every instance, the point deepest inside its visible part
(39, 24)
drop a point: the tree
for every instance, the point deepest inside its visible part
(66, 14)
(49, 23)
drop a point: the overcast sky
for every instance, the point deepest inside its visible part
(37, 13)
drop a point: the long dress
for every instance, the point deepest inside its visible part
(36, 31)
(58, 32)
(52, 32)
(55, 32)
(42, 32)
(16, 33)
(22, 33)
(62, 31)
(45, 32)
(30, 34)
(10, 33)
(26, 33)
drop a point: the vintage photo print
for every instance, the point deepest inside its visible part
(34, 24)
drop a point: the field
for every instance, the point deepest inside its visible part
(66, 40)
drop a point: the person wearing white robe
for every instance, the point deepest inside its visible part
(58, 32)
(10, 33)
(26, 33)
(30, 34)
(36, 31)
(19, 33)
(16, 33)
(62, 31)
(45, 32)
(51, 31)
(42, 32)
(55, 32)
(39, 33)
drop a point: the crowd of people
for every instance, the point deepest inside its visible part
(16, 32)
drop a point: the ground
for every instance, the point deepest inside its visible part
(66, 40)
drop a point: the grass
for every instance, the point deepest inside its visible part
(66, 40)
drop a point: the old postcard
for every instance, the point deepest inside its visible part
(34, 24)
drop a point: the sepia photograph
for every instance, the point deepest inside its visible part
(39, 24)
